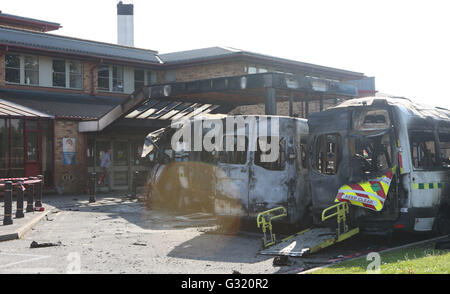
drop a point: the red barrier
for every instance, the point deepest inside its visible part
(20, 181)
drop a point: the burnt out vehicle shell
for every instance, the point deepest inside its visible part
(241, 188)
(417, 196)
(246, 189)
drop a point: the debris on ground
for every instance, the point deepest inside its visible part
(236, 273)
(35, 244)
(281, 261)
(139, 244)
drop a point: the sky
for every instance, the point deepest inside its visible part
(405, 45)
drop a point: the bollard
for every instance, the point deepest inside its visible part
(30, 196)
(7, 220)
(39, 186)
(19, 210)
(93, 187)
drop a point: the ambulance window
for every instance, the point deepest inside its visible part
(423, 149)
(236, 156)
(280, 162)
(374, 153)
(326, 159)
(444, 149)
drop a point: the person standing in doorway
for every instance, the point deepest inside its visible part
(106, 169)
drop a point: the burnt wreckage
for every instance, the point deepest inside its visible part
(375, 164)
(386, 157)
(237, 182)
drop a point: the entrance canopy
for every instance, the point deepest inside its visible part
(156, 106)
(10, 109)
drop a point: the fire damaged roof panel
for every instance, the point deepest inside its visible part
(170, 110)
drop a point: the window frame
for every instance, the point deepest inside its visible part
(338, 152)
(72, 74)
(64, 73)
(25, 70)
(115, 79)
(282, 158)
(106, 77)
(13, 68)
(436, 149)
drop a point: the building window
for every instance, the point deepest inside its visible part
(111, 78)
(103, 78)
(117, 78)
(139, 79)
(75, 74)
(64, 71)
(31, 70)
(59, 73)
(12, 68)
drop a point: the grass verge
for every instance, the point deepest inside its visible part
(421, 259)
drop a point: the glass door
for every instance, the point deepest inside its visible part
(121, 176)
(32, 148)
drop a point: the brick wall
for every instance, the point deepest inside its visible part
(70, 178)
(89, 68)
(207, 71)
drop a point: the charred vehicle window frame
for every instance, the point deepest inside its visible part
(337, 151)
(367, 142)
(413, 136)
(367, 150)
(444, 157)
(239, 157)
(280, 163)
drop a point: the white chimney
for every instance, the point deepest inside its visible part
(125, 24)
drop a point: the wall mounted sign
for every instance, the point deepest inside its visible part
(69, 151)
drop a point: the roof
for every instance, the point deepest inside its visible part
(207, 54)
(62, 105)
(8, 108)
(30, 22)
(68, 45)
